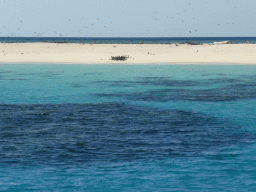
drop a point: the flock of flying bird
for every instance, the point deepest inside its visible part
(60, 33)
(7, 31)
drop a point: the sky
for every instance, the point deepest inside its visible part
(127, 18)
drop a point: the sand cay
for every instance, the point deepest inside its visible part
(73, 53)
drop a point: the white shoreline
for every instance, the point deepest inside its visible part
(153, 54)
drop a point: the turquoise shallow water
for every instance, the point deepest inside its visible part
(127, 127)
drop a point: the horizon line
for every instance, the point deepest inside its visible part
(133, 37)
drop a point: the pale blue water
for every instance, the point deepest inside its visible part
(127, 127)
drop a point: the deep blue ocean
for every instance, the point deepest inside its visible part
(127, 127)
(127, 40)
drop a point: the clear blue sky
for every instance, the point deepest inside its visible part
(127, 18)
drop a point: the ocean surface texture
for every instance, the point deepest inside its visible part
(127, 40)
(127, 127)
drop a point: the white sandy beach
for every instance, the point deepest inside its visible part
(71, 53)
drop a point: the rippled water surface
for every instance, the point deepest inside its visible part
(127, 40)
(127, 127)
